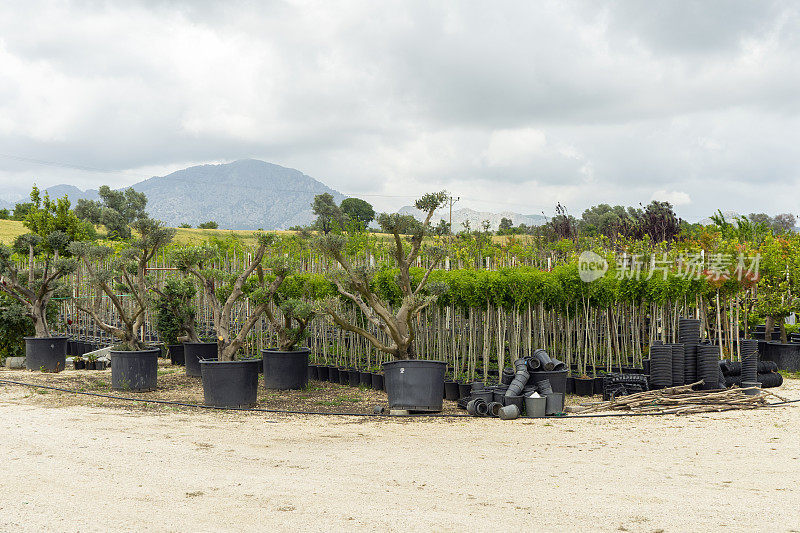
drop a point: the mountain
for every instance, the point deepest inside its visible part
(74, 193)
(475, 218)
(246, 194)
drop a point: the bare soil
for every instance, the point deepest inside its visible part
(77, 463)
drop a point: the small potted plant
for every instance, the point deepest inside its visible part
(286, 366)
(411, 383)
(134, 364)
(176, 316)
(78, 362)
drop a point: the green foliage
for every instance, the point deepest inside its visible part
(116, 210)
(208, 225)
(175, 313)
(358, 210)
(329, 215)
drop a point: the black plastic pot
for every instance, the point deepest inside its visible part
(377, 381)
(570, 385)
(786, 356)
(135, 371)
(660, 366)
(584, 386)
(365, 378)
(464, 390)
(193, 352)
(415, 385)
(79, 364)
(678, 366)
(353, 377)
(514, 400)
(48, 354)
(555, 403)
(322, 372)
(333, 374)
(230, 383)
(285, 370)
(344, 376)
(313, 372)
(598, 384)
(451, 391)
(557, 379)
(486, 395)
(176, 356)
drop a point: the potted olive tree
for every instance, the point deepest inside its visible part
(33, 281)
(176, 316)
(411, 383)
(33, 287)
(286, 366)
(228, 382)
(122, 281)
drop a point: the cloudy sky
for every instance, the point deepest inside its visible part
(510, 105)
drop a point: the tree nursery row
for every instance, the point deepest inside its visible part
(428, 314)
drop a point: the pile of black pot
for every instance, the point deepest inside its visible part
(535, 386)
(346, 376)
(766, 371)
(691, 360)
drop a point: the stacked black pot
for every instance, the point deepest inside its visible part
(749, 351)
(677, 364)
(660, 366)
(708, 366)
(689, 336)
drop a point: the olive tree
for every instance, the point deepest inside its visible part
(123, 279)
(224, 288)
(354, 283)
(33, 281)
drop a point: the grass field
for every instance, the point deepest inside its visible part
(9, 229)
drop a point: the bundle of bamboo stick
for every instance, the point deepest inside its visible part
(682, 400)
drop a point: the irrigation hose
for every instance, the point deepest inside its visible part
(294, 412)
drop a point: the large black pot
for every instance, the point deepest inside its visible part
(135, 371)
(193, 352)
(48, 354)
(451, 391)
(377, 381)
(584, 386)
(365, 378)
(230, 383)
(176, 354)
(557, 378)
(285, 370)
(333, 374)
(415, 385)
(322, 372)
(786, 356)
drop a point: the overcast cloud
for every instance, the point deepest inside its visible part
(511, 105)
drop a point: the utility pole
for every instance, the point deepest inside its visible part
(452, 201)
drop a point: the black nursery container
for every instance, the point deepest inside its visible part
(584, 386)
(660, 366)
(230, 383)
(193, 352)
(415, 385)
(176, 356)
(451, 390)
(135, 371)
(46, 353)
(285, 370)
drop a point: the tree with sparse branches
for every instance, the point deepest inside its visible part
(124, 273)
(355, 283)
(223, 289)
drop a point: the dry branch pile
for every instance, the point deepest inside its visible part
(681, 400)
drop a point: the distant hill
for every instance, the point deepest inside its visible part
(245, 195)
(74, 193)
(475, 218)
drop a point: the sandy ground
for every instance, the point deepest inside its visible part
(94, 468)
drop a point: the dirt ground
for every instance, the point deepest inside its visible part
(78, 464)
